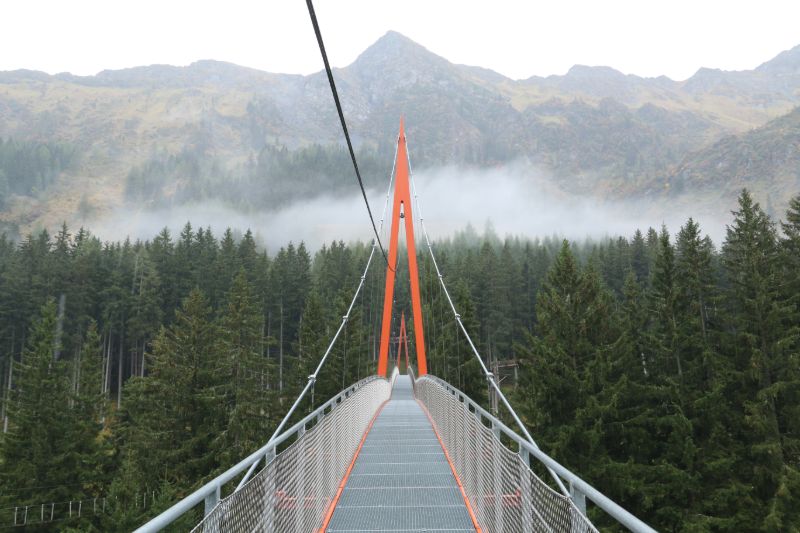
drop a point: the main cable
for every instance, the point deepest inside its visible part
(335, 93)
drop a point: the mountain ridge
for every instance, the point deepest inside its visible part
(596, 130)
(787, 61)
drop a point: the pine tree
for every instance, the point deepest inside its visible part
(171, 417)
(248, 400)
(695, 295)
(663, 301)
(314, 337)
(469, 376)
(639, 260)
(44, 451)
(640, 440)
(89, 386)
(791, 249)
(558, 368)
(90, 408)
(762, 339)
(146, 310)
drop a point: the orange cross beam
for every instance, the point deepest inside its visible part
(402, 340)
(401, 209)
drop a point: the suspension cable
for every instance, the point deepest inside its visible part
(489, 376)
(335, 93)
(313, 377)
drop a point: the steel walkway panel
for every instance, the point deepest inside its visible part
(401, 480)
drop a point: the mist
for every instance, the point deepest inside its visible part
(513, 200)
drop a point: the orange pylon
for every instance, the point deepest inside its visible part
(401, 208)
(402, 340)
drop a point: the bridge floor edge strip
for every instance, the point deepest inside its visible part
(452, 467)
(335, 501)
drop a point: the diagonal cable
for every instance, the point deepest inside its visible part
(489, 376)
(335, 93)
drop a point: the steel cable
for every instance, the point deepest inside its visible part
(489, 376)
(335, 93)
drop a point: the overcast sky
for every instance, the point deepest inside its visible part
(516, 38)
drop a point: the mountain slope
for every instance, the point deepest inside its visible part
(765, 160)
(597, 131)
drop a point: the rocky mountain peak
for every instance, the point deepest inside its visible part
(787, 62)
(584, 72)
(395, 50)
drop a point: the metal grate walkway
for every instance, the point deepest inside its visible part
(401, 480)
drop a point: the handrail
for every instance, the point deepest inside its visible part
(490, 377)
(212, 488)
(576, 483)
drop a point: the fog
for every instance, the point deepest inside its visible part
(514, 200)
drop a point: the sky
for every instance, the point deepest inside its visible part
(518, 38)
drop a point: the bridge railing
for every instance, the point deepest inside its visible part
(295, 488)
(504, 492)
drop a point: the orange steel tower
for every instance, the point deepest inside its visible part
(401, 209)
(402, 340)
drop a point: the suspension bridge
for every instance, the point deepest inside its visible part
(398, 452)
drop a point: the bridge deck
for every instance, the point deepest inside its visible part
(401, 480)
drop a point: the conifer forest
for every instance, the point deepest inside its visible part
(661, 365)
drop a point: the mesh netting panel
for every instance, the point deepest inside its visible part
(293, 492)
(503, 491)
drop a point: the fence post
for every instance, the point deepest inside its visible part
(578, 498)
(526, 490)
(211, 501)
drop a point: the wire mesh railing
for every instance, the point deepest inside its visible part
(293, 492)
(504, 491)
(505, 494)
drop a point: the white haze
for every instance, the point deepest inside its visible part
(514, 201)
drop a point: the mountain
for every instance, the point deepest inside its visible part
(765, 160)
(170, 134)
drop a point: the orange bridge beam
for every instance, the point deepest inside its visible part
(401, 209)
(402, 341)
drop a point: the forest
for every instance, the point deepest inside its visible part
(660, 366)
(28, 167)
(267, 179)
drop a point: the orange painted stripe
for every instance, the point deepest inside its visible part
(332, 507)
(453, 468)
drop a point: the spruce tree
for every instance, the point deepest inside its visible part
(695, 296)
(559, 366)
(639, 438)
(313, 340)
(171, 417)
(763, 335)
(248, 400)
(44, 451)
(468, 373)
(666, 359)
(639, 260)
(790, 244)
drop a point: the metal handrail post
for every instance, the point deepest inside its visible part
(579, 488)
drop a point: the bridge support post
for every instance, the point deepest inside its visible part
(496, 481)
(300, 496)
(578, 498)
(211, 501)
(402, 209)
(526, 491)
(269, 495)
